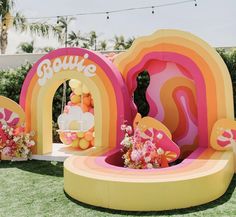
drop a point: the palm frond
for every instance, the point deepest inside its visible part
(20, 22)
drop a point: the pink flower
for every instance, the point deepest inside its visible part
(73, 136)
(129, 130)
(135, 155)
(123, 127)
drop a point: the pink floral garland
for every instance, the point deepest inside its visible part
(141, 152)
(14, 141)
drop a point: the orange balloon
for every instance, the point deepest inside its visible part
(88, 136)
(91, 130)
(87, 100)
(84, 108)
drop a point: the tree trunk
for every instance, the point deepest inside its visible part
(3, 39)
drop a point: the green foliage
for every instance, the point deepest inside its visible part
(11, 81)
(229, 58)
(26, 47)
(143, 81)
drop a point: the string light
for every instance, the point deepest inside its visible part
(107, 13)
(153, 10)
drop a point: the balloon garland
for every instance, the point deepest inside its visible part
(76, 124)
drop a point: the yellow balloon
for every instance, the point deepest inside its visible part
(83, 144)
(85, 89)
(75, 99)
(78, 91)
(74, 125)
(75, 143)
(73, 83)
(80, 134)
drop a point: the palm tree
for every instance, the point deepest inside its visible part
(93, 40)
(129, 42)
(75, 39)
(103, 45)
(60, 30)
(26, 47)
(119, 42)
(19, 22)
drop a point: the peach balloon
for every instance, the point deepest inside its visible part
(88, 136)
(83, 144)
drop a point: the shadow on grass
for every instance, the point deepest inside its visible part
(223, 199)
(34, 166)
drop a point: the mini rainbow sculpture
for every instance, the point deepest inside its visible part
(191, 102)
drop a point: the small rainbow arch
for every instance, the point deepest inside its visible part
(106, 85)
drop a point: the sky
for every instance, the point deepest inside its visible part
(212, 20)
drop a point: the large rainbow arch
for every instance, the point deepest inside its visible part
(206, 85)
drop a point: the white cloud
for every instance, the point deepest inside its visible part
(85, 120)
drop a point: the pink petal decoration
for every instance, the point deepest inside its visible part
(163, 141)
(223, 143)
(227, 134)
(234, 133)
(10, 117)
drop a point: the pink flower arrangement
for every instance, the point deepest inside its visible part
(14, 141)
(141, 152)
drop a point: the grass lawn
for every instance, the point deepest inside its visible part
(35, 188)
